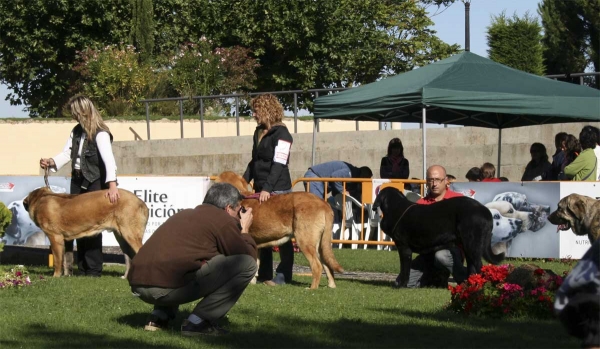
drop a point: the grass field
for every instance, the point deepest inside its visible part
(81, 312)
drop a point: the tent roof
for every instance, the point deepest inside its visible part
(468, 90)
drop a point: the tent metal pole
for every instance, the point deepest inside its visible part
(424, 142)
(499, 150)
(314, 143)
(315, 129)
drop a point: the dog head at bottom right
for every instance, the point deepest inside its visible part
(571, 213)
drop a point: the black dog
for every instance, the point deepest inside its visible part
(430, 228)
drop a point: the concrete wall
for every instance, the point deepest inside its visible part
(26, 141)
(458, 149)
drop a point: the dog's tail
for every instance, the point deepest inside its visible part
(488, 252)
(325, 249)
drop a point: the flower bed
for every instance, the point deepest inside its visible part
(489, 294)
(16, 277)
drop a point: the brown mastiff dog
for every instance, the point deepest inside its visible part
(67, 217)
(579, 213)
(301, 215)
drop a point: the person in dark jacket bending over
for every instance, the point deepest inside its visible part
(268, 168)
(339, 169)
(205, 252)
(335, 169)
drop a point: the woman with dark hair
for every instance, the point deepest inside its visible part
(583, 168)
(394, 164)
(474, 174)
(558, 159)
(539, 168)
(571, 151)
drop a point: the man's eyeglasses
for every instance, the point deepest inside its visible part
(435, 180)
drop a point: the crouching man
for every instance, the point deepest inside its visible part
(205, 252)
(434, 269)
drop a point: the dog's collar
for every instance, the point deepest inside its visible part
(399, 219)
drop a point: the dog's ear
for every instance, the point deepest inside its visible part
(26, 204)
(576, 206)
(377, 202)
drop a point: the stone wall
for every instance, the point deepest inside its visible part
(458, 149)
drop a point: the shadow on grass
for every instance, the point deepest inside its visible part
(48, 271)
(377, 283)
(41, 336)
(354, 333)
(420, 330)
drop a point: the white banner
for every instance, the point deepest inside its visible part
(13, 189)
(164, 197)
(528, 204)
(571, 245)
(377, 182)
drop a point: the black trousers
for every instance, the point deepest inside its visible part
(89, 249)
(286, 254)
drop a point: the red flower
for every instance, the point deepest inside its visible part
(495, 273)
(476, 280)
(539, 272)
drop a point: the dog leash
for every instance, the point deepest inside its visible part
(46, 171)
(403, 213)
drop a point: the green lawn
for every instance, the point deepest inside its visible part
(81, 312)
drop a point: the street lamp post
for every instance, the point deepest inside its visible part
(467, 28)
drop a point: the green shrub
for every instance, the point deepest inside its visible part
(114, 78)
(5, 219)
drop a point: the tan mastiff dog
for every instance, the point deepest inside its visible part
(579, 213)
(65, 217)
(301, 215)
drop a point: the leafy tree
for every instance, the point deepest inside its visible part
(39, 40)
(299, 44)
(327, 43)
(571, 35)
(516, 42)
(142, 27)
(114, 77)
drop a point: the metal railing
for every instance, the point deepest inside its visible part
(294, 93)
(236, 97)
(581, 76)
(366, 199)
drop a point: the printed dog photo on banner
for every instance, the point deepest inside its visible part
(21, 230)
(520, 212)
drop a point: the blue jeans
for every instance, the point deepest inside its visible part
(317, 188)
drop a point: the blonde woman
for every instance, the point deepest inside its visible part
(268, 168)
(93, 167)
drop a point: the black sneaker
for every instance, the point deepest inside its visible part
(204, 328)
(156, 324)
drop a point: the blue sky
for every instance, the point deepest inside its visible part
(449, 24)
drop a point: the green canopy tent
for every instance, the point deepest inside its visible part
(467, 90)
